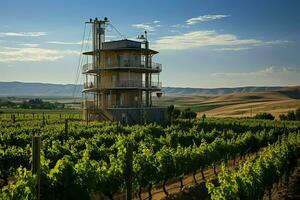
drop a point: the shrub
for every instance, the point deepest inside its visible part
(282, 117)
(264, 115)
(173, 113)
(188, 114)
(297, 114)
(291, 115)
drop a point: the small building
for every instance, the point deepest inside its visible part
(121, 80)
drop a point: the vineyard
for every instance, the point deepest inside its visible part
(88, 161)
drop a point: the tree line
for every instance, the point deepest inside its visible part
(36, 103)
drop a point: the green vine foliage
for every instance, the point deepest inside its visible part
(90, 159)
(23, 189)
(257, 175)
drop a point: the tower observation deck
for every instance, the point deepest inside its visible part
(121, 80)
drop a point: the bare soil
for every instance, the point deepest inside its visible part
(191, 190)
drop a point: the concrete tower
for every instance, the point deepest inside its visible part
(121, 80)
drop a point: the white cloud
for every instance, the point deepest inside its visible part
(146, 27)
(268, 71)
(180, 26)
(196, 39)
(175, 31)
(204, 18)
(63, 43)
(271, 75)
(263, 72)
(111, 36)
(233, 49)
(156, 21)
(290, 69)
(8, 54)
(23, 34)
(77, 42)
(275, 42)
(30, 45)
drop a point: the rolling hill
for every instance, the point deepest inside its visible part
(240, 104)
(217, 102)
(248, 104)
(22, 89)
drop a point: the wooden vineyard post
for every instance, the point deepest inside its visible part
(44, 120)
(13, 118)
(66, 126)
(36, 159)
(284, 130)
(129, 152)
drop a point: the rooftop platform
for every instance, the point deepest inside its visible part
(122, 45)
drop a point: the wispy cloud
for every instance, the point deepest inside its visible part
(175, 31)
(233, 48)
(196, 39)
(261, 43)
(64, 43)
(146, 27)
(263, 72)
(274, 42)
(195, 20)
(180, 26)
(111, 36)
(8, 54)
(270, 75)
(290, 69)
(77, 42)
(23, 34)
(204, 18)
(29, 45)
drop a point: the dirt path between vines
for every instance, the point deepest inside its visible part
(173, 187)
(191, 190)
(292, 192)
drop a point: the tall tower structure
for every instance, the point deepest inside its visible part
(121, 80)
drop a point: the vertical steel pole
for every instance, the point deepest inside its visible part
(129, 152)
(36, 159)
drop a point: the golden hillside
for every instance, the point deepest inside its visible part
(248, 104)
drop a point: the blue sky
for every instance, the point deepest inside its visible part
(206, 44)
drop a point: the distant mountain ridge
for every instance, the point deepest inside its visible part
(22, 89)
